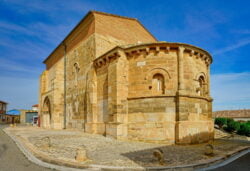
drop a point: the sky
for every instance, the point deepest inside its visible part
(30, 30)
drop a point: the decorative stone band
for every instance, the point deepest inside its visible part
(209, 99)
(146, 48)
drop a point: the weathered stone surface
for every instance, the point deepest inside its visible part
(81, 155)
(159, 155)
(209, 150)
(110, 76)
(46, 142)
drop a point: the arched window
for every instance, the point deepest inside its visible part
(201, 89)
(158, 84)
(76, 72)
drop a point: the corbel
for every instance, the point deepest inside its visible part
(167, 49)
(192, 53)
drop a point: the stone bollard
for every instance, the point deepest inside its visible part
(159, 155)
(209, 150)
(47, 142)
(14, 125)
(81, 155)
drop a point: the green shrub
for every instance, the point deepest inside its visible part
(220, 122)
(232, 125)
(244, 129)
(229, 120)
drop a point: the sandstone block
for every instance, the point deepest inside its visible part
(81, 155)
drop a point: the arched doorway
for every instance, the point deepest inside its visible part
(46, 113)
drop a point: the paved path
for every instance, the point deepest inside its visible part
(240, 164)
(12, 159)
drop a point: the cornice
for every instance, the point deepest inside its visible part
(146, 48)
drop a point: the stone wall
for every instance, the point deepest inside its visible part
(152, 119)
(51, 87)
(165, 89)
(143, 66)
(78, 68)
(194, 103)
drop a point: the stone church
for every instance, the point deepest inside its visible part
(111, 76)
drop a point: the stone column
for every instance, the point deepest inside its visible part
(112, 91)
(117, 97)
(91, 117)
(180, 68)
(181, 115)
(208, 80)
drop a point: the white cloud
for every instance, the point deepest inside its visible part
(10, 65)
(242, 31)
(198, 27)
(232, 47)
(49, 33)
(10, 27)
(22, 49)
(231, 91)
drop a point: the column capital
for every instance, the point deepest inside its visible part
(181, 49)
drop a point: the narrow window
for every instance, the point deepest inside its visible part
(75, 53)
(158, 84)
(52, 84)
(201, 89)
(76, 72)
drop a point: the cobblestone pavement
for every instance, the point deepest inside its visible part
(107, 151)
(11, 158)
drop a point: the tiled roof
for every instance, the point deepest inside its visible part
(3, 102)
(245, 113)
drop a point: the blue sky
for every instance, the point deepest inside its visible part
(30, 30)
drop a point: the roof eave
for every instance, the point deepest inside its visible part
(63, 41)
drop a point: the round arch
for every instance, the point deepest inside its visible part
(158, 78)
(155, 71)
(46, 113)
(202, 84)
(199, 75)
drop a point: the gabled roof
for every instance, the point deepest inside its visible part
(130, 30)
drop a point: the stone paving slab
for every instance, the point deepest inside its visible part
(108, 152)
